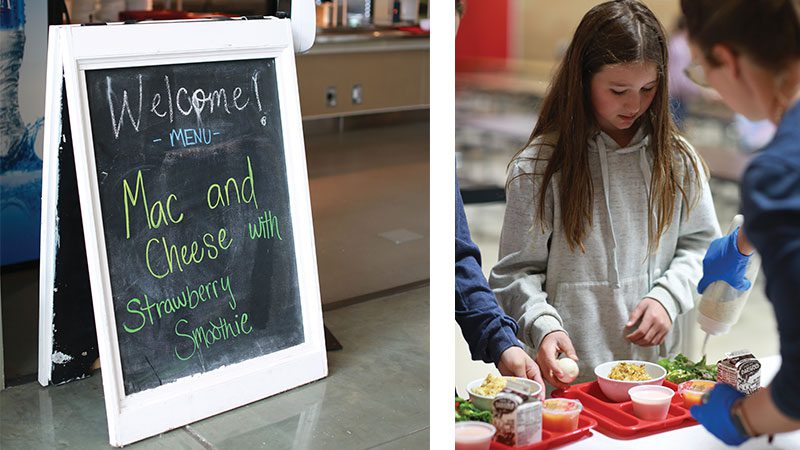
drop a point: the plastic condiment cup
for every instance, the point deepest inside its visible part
(692, 391)
(651, 402)
(561, 414)
(474, 435)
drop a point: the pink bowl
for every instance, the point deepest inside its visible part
(616, 390)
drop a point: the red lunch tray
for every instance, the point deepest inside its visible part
(617, 419)
(553, 439)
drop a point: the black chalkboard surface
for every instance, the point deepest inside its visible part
(195, 208)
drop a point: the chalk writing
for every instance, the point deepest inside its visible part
(216, 331)
(189, 297)
(170, 256)
(187, 137)
(200, 101)
(126, 107)
(245, 193)
(155, 213)
(267, 227)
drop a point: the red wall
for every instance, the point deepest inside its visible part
(484, 30)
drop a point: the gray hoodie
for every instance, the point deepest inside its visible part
(546, 287)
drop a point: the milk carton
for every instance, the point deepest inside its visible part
(517, 416)
(741, 370)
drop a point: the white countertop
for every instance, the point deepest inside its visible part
(694, 437)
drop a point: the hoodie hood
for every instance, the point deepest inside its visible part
(602, 140)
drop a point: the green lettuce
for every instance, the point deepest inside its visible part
(681, 368)
(467, 411)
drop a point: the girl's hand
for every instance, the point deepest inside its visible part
(515, 362)
(553, 344)
(654, 326)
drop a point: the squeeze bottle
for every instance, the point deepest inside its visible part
(721, 304)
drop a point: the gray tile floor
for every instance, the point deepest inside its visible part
(376, 396)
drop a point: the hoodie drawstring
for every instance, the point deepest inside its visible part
(644, 166)
(613, 267)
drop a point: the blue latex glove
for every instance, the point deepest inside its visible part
(723, 261)
(715, 414)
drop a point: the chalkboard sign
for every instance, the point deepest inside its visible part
(195, 205)
(196, 215)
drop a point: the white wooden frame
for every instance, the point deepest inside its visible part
(147, 413)
(48, 244)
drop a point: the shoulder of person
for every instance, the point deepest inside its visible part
(769, 184)
(766, 168)
(533, 158)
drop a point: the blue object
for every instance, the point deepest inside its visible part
(12, 14)
(20, 166)
(486, 328)
(715, 414)
(724, 261)
(679, 112)
(771, 208)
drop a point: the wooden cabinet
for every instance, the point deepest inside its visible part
(341, 79)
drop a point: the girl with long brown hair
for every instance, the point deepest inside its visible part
(608, 209)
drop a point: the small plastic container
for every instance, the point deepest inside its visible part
(474, 435)
(692, 391)
(651, 402)
(561, 414)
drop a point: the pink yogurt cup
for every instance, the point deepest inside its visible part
(474, 435)
(651, 402)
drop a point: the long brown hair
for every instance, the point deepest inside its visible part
(768, 31)
(615, 32)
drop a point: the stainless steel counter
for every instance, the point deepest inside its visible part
(351, 71)
(345, 40)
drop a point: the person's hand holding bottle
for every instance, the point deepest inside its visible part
(726, 259)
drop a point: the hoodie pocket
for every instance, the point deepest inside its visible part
(595, 314)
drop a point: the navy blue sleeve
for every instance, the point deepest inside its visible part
(771, 207)
(487, 330)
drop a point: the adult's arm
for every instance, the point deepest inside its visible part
(488, 331)
(771, 207)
